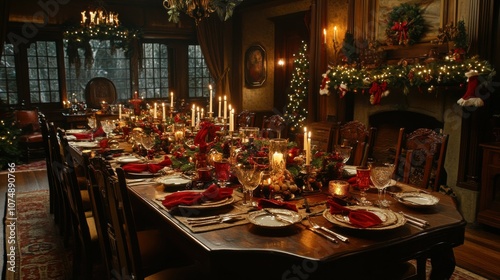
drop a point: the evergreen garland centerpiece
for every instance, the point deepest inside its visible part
(296, 109)
(405, 25)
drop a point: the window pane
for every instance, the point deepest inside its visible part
(198, 75)
(109, 62)
(8, 85)
(153, 78)
(40, 56)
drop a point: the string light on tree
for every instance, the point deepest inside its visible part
(296, 111)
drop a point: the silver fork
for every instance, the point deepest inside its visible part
(318, 227)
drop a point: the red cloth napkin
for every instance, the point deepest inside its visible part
(359, 218)
(88, 135)
(151, 167)
(353, 181)
(82, 136)
(212, 193)
(271, 203)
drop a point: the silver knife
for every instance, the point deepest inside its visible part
(339, 236)
(323, 234)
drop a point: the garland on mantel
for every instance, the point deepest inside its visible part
(405, 25)
(344, 78)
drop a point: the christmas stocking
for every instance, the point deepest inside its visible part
(469, 98)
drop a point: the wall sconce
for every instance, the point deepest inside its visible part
(281, 62)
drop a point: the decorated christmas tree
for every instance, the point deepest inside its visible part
(296, 109)
(9, 148)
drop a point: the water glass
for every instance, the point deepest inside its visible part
(222, 171)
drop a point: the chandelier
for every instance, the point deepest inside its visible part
(200, 9)
(99, 16)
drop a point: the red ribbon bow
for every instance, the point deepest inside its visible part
(376, 90)
(401, 29)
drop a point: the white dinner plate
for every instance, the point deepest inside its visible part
(416, 199)
(390, 219)
(75, 131)
(82, 144)
(278, 219)
(128, 159)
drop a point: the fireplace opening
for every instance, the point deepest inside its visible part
(388, 124)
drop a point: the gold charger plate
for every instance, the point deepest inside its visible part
(390, 219)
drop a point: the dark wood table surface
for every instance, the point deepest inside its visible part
(249, 252)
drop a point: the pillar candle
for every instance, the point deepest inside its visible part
(192, 115)
(202, 114)
(305, 140)
(120, 111)
(335, 34)
(308, 153)
(220, 106)
(210, 107)
(154, 111)
(197, 115)
(225, 107)
(171, 101)
(324, 35)
(231, 124)
(163, 116)
(277, 159)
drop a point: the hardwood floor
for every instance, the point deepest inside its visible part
(480, 252)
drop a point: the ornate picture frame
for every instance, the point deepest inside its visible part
(255, 66)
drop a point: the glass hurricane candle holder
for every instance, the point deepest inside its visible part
(278, 149)
(338, 188)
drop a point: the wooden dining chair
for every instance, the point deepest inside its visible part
(31, 138)
(130, 252)
(421, 158)
(273, 126)
(83, 231)
(323, 135)
(246, 119)
(357, 135)
(61, 205)
(44, 128)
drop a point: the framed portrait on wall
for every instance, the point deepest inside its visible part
(255, 66)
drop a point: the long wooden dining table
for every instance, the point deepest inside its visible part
(250, 252)
(247, 251)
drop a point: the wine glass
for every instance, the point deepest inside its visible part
(222, 171)
(381, 177)
(344, 151)
(107, 127)
(249, 176)
(148, 141)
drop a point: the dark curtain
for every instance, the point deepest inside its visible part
(4, 20)
(210, 32)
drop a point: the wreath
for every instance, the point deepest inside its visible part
(405, 24)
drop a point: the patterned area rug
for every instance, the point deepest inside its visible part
(32, 166)
(42, 252)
